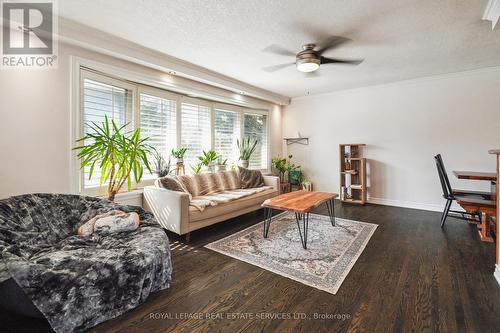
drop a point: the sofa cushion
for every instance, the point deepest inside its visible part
(250, 178)
(171, 183)
(224, 208)
(207, 183)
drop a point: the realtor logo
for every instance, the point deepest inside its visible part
(28, 34)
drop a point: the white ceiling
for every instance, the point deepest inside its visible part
(399, 39)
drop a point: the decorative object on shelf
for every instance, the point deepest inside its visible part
(247, 147)
(352, 174)
(162, 166)
(208, 160)
(179, 155)
(221, 164)
(119, 155)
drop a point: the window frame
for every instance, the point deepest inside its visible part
(80, 73)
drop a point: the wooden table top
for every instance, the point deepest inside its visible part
(472, 175)
(299, 201)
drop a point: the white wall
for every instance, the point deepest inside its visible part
(35, 124)
(404, 125)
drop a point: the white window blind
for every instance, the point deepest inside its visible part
(226, 133)
(100, 100)
(158, 122)
(255, 127)
(195, 131)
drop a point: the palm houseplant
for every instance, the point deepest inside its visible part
(246, 147)
(117, 153)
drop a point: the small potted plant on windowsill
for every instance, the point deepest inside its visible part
(208, 160)
(162, 166)
(246, 147)
(221, 164)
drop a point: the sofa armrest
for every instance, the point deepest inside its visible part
(273, 181)
(171, 208)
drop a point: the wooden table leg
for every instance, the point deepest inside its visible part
(484, 228)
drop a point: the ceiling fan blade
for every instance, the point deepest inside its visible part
(276, 49)
(325, 60)
(331, 42)
(277, 67)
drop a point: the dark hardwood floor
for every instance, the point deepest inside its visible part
(411, 277)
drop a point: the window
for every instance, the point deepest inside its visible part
(170, 121)
(226, 133)
(255, 127)
(195, 131)
(158, 121)
(99, 100)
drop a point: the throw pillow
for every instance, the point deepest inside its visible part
(117, 223)
(87, 228)
(251, 178)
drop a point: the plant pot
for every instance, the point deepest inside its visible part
(221, 167)
(294, 177)
(210, 168)
(244, 164)
(180, 160)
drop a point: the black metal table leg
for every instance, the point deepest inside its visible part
(330, 206)
(268, 215)
(305, 220)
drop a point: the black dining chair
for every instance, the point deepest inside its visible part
(451, 195)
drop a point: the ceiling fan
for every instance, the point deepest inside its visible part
(311, 57)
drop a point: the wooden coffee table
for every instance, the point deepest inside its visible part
(301, 203)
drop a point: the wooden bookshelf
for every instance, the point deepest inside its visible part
(352, 174)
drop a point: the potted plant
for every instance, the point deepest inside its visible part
(179, 155)
(208, 160)
(280, 165)
(294, 172)
(221, 164)
(120, 156)
(246, 147)
(162, 166)
(196, 168)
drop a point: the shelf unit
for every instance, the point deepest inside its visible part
(352, 174)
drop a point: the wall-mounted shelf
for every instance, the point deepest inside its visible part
(352, 174)
(300, 141)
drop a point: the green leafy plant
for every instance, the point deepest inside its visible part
(220, 161)
(280, 165)
(246, 147)
(162, 166)
(179, 153)
(196, 168)
(119, 155)
(208, 157)
(284, 165)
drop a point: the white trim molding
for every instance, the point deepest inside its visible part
(492, 12)
(77, 34)
(410, 204)
(497, 273)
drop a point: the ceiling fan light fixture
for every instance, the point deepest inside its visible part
(307, 65)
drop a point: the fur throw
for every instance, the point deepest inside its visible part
(78, 282)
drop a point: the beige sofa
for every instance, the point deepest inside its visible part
(173, 212)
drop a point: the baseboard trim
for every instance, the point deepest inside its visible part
(497, 273)
(410, 204)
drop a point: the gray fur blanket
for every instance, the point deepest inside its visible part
(77, 282)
